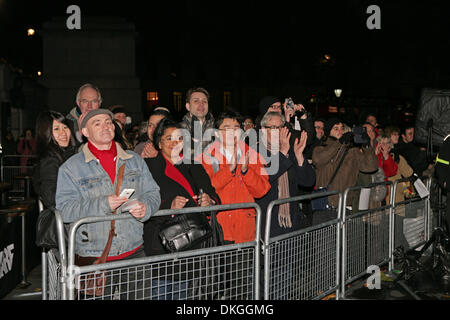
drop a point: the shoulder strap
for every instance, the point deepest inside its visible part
(105, 253)
(338, 166)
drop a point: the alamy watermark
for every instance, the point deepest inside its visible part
(374, 280)
(74, 20)
(374, 20)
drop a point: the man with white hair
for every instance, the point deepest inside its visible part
(88, 98)
(288, 169)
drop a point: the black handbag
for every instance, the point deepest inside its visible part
(46, 232)
(184, 232)
(321, 203)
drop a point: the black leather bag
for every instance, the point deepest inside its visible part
(46, 232)
(185, 231)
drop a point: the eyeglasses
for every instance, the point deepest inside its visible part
(85, 101)
(318, 127)
(273, 127)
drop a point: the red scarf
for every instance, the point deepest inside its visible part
(107, 158)
(173, 173)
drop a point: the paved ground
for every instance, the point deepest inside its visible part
(33, 291)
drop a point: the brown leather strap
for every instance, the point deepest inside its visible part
(105, 253)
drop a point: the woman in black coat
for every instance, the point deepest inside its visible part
(180, 185)
(55, 144)
(179, 182)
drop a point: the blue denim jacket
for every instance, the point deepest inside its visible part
(82, 190)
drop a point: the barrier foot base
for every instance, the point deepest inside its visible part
(24, 284)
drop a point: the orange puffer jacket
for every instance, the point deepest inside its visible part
(238, 225)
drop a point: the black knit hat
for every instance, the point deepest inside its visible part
(329, 125)
(266, 102)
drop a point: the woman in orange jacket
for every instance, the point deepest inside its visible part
(238, 175)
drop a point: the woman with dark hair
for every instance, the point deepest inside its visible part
(119, 136)
(146, 148)
(55, 144)
(180, 184)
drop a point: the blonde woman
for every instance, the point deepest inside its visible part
(403, 171)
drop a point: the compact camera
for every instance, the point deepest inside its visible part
(290, 104)
(360, 136)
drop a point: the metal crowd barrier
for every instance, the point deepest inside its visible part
(12, 167)
(222, 272)
(302, 264)
(365, 238)
(412, 221)
(311, 263)
(51, 270)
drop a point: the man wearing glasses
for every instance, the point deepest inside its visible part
(237, 173)
(88, 98)
(288, 169)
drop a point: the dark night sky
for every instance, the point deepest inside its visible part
(412, 45)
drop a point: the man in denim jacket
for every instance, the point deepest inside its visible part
(86, 187)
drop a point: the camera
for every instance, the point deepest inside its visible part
(298, 114)
(289, 103)
(360, 137)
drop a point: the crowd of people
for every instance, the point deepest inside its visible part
(206, 160)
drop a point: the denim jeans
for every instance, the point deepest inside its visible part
(169, 290)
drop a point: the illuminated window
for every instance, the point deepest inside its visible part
(152, 96)
(152, 99)
(226, 99)
(332, 109)
(177, 100)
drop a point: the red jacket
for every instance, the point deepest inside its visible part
(389, 166)
(238, 225)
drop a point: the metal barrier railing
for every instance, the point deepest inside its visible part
(50, 267)
(303, 264)
(223, 272)
(418, 229)
(14, 169)
(365, 238)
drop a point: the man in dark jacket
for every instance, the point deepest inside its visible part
(287, 169)
(198, 119)
(415, 157)
(272, 103)
(319, 137)
(443, 173)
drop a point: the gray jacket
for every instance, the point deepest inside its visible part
(82, 190)
(189, 123)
